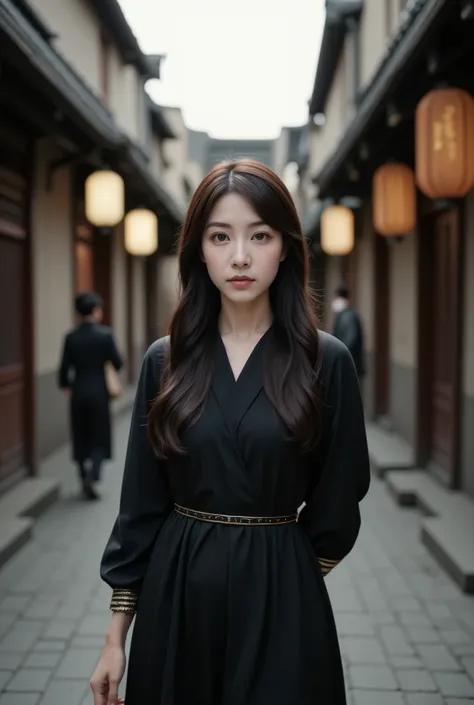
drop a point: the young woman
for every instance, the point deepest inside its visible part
(253, 413)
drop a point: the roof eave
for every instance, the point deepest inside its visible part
(61, 81)
(332, 43)
(115, 22)
(159, 122)
(155, 189)
(389, 74)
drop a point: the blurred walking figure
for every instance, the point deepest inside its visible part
(87, 351)
(348, 327)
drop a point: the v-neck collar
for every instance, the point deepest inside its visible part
(248, 362)
(235, 396)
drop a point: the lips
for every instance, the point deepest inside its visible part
(241, 279)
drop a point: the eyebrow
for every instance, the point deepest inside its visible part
(215, 224)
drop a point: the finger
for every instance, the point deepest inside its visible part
(100, 692)
(113, 693)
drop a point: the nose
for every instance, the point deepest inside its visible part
(240, 255)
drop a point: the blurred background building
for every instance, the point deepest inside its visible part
(390, 163)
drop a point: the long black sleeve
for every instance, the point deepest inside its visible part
(64, 379)
(145, 498)
(331, 516)
(114, 355)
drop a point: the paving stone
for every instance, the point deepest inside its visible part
(405, 603)
(423, 635)
(7, 619)
(452, 701)
(438, 658)
(42, 659)
(380, 618)
(53, 645)
(462, 649)
(362, 650)
(71, 611)
(78, 663)
(10, 661)
(417, 619)
(349, 625)
(41, 609)
(29, 680)
(66, 692)
(22, 636)
(373, 677)
(455, 636)
(395, 641)
(367, 697)
(406, 662)
(97, 624)
(438, 610)
(5, 676)
(20, 698)
(424, 699)
(416, 681)
(468, 664)
(454, 684)
(14, 604)
(60, 629)
(88, 642)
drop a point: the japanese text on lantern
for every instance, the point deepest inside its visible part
(444, 131)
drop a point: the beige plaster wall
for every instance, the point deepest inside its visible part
(468, 343)
(52, 243)
(403, 302)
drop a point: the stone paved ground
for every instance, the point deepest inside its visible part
(407, 633)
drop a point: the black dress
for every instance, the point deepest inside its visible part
(86, 350)
(239, 615)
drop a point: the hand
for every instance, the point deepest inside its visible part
(108, 675)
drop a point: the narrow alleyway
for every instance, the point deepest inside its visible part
(407, 633)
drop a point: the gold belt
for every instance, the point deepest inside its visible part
(235, 519)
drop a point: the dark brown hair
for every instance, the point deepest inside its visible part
(291, 367)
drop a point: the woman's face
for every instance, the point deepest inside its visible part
(242, 254)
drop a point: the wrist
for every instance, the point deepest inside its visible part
(118, 629)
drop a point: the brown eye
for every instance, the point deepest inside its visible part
(219, 237)
(261, 237)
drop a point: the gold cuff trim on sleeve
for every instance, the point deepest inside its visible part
(327, 565)
(124, 600)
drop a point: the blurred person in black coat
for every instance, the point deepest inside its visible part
(87, 349)
(348, 328)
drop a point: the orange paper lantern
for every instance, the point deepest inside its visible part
(445, 143)
(337, 230)
(394, 200)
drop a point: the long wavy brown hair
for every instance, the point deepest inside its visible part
(291, 369)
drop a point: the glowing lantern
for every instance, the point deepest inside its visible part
(445, 143)
(141, 232)
(337, 230)
(394, 200)
(104, 198)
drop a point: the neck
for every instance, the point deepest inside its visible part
(245, 320)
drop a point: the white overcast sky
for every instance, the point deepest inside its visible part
(237, 68)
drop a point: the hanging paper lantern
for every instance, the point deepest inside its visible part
(337, 230)
(445, 143)
(394, 200)
(141, 232)
(104, 198)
